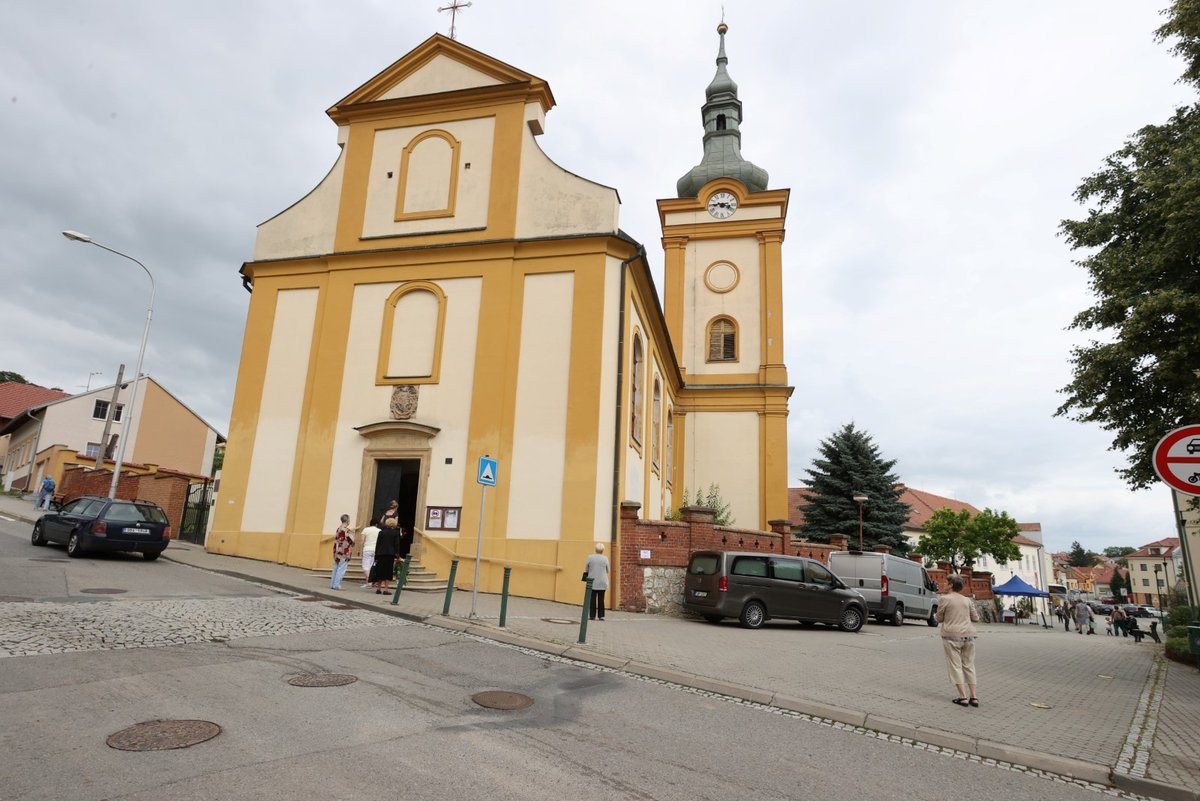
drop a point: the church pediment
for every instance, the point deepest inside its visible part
(438, 66)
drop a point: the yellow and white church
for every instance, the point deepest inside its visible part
(447, 292)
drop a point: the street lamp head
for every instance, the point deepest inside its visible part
(76, 236)
(861, 497)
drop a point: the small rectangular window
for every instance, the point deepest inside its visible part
(93, 450)
(100, 411)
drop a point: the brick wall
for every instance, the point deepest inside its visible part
(671, 543)
(166, 489)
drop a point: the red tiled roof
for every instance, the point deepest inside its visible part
(924, 504)
(1166, 547)
(1022, 540)
(16, 398)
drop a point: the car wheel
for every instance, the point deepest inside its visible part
(38, 537)
(753, 615)
(897, 618)
(74, 546)
(852, 619)
(932, 621)
(152, 555)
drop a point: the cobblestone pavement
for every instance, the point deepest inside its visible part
(28, 629)
(1174, 758)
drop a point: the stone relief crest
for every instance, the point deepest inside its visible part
(404, 401)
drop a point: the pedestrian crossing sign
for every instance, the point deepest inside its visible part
(487, 471)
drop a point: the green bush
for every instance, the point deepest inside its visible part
(1177, 649)
(1181, 616)
(1177, 631)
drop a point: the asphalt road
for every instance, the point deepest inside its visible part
(181, 643)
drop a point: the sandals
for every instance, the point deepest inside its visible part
(973, 701)
(960, 701)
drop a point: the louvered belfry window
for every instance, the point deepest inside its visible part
(722, 341)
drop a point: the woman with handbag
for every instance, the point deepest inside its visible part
(596, 569)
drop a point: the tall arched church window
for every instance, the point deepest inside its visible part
(635, 390)
(669, 465)
(428, 177)
(410, 347)
(656, 422)
(722, 340)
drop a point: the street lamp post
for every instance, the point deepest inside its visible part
(130, 418)
(860, 498)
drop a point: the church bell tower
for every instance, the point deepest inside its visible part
(723, 270)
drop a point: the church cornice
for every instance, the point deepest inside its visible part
(473, 98)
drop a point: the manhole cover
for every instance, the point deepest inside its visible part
(103, 591)
(322, 680)
(13, 599)
(163, 735)
(560, 620)
(502, 699)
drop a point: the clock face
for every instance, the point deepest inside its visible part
(722, 205)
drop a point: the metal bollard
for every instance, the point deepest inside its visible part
(504, 596)
(587, 605)
(450, 587)
(403, 577)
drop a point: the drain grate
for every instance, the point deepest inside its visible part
(502, 699)
(322, 680)
(163, 735)
(103, 591)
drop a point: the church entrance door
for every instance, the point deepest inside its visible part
(398, 480)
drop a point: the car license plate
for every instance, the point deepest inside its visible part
(137, 531)
(700, 593)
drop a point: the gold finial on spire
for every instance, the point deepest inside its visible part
(454, 7)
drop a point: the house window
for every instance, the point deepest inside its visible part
(670, 445)
(722, 340)
(100, 411)
(1145, 582)
(656, 422)
(1142, 567)
(1161, 583)
(635, 420)
(93, 450)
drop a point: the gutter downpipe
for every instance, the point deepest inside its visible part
(620, 412)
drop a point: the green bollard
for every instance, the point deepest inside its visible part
(450, 587)
(403, 577)
(587, 605)
(504, 596)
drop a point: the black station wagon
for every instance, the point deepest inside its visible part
(104, 524)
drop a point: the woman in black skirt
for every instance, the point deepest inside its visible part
(387, 546)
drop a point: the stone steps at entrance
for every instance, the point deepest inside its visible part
(420, 579)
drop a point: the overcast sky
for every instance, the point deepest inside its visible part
(931, 149)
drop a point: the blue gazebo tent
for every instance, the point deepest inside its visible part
(1017, 586)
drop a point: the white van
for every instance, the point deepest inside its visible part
(895, 588)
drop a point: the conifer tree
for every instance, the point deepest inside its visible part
(850, 463)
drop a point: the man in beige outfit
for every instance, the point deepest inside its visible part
(958, 616)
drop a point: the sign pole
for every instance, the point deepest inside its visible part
(478, 550)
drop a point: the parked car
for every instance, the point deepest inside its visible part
(756, 587)
(104, 524)
(1145, 610)
(1100, 609)
(894, 588)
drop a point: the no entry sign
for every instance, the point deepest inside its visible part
(1177, 459)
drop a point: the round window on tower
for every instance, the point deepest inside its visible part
(721, 276)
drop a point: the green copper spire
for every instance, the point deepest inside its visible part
(722, 116)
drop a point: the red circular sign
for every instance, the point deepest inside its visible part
(1177, 459)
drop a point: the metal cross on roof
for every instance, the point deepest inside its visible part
(454, 7)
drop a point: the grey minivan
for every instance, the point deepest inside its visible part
(755, 587)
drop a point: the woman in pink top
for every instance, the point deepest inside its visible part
(958, 616)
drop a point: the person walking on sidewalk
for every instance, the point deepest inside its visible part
(958, 616)
(1119, 619)
(1066, 617)
(45, 494)
(387, 545)
(1083, 616)
(369, 535)
(596, 569)
(343, 546)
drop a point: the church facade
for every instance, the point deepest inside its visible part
(447, 293)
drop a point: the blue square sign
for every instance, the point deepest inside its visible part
(487, 471)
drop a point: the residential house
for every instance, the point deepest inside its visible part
(1154, 571)
(53, 434)
(15, 398)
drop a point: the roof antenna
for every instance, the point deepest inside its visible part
(454, 8)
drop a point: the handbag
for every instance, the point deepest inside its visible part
(584, 577)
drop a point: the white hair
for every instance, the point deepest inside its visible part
(599, 547)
